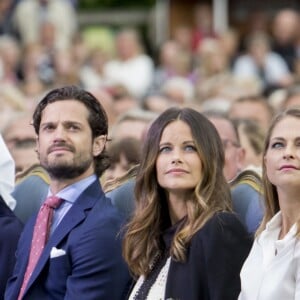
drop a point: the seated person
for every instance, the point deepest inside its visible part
(121, 192)
(30, 191)
(10, 226)
(20, 139)
(246, 194)
(124, 153)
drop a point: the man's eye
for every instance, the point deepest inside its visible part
(73, 128)
(48, 127)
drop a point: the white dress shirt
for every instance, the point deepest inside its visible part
(70, 194)
(272, 269)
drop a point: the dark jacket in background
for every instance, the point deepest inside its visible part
(10, 230)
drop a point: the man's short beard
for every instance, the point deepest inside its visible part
(62, 171)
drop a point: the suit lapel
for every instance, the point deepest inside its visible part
(74, 216)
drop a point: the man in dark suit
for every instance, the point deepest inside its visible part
(82, 258)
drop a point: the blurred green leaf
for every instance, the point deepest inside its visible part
(100, 4)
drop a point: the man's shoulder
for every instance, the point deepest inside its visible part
(34, 173)
(103, 210)
(103, 220)
(249, 180)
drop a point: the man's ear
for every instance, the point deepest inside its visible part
(99, 144)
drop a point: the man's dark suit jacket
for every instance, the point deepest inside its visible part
(10, 231)
(90, 265)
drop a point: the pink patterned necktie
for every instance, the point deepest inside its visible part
(40, 237)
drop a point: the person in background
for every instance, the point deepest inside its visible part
(133, 123)
(20, 139)
(132, 67)
(261, 63)
(245, 185)
(255, 108)
(234, 153)
(30, 190)
(10, 226)
(30, 16)
(213, 72)
(292, 97)
(285, 33)
(251, 136)
(7, 174)
(10, 59)
(173, 62)
(121, 192)
(272, 269)
(91, 73)
(6, 11)
(69, 261)
(203, 19)
(183, 241)
(124, 154)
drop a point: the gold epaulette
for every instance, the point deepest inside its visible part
(248, 177)
(34, 170)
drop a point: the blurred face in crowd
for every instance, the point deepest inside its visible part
(118, 169)
(127, 45)
(285, 26)
(131, 128)
(20, 139)
(293, 101)
(234, 153)
(251, 110)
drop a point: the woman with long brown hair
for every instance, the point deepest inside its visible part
(183, 241)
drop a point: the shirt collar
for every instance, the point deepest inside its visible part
(275, 222)
(73, 191)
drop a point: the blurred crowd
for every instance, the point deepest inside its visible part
(246, 75)
(238, 80)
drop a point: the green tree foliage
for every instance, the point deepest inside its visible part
(113, 4)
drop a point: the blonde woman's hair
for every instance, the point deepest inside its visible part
(270, 190)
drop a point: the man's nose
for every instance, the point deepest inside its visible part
(59, 133)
